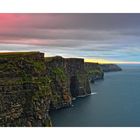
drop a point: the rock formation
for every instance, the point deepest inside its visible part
(94, 71)
(24, 90)
(110, 67)
(31, 85)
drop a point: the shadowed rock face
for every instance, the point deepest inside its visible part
(31, 85)
(74, 86)
(79, 84)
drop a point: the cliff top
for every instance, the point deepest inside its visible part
(17, 54)
(48, 59)
(74, 59)
(94, 63)
(53, 58)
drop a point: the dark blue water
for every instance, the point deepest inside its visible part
(116, 102)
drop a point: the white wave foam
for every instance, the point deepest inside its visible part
(93, 93)
(73, 98)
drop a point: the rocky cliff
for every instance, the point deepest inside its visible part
(59, 82)
(68, 80)
(110, 67)
(31, 85)
(78, 79)
(94, 71)
(24, 90)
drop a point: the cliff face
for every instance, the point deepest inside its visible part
(94, 71)
(110, 67)
(78, 79)
(31, 85)
(24, 92)
(68, 80)
(59, 82)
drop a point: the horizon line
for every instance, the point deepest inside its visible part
(103, 61)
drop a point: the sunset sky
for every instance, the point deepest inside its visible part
(102, 38)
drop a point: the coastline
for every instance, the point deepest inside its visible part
(33, 85)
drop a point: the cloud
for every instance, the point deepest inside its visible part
(107, 36)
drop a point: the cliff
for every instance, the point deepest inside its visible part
(24, 90)
(110, 67)
(59, 83)
(31, 85)
(78, 79)
(68, 80)
(94, 71)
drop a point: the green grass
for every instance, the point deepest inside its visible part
(60, 73)
(15, 54)
(48, 59)
(39, 66)
(94, 72)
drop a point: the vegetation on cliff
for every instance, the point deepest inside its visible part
(94, 71)
(17, 54)
(24, 90)
(60, 96)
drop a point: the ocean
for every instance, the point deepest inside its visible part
(114, 102)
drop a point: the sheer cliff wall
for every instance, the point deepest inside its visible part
(24, 90)
(68, 80)
(31, 85)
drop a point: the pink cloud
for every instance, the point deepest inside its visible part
(32, 20)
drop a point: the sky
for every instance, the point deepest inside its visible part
(103, 38)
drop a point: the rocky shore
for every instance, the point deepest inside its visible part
(31, 85)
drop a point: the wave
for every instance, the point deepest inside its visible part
(93, 93)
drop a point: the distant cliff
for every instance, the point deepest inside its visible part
(94, 71)
(31, 85)
(110, 67)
